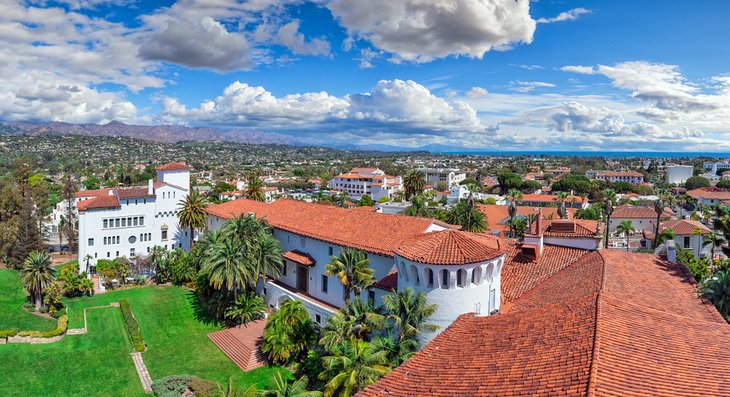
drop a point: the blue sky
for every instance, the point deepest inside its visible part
(477, 74)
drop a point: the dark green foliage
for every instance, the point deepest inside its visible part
(593, 212)
(696, 182)
(172, 386)
(573, 183)
(509, 180)
(135, 334)
(723, 184)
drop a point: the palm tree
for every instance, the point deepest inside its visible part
(409, 311)
(610, 195)
(246, 308)
(608, 210)
(466, 215)
(266, 256)
(514, 195)
(229, 268)
(192, 214)
(231, 390)
(713, 239)
(562, 212)
(254, 187)
(626, 228)
(418, 207)
(414, 182)
(717, 290)
(396, 351)
(289, 333)
(363, 318)
(659, 209)
(723, 225)
(37, 274)
(351, 367)
(512, 210)
(285, 388)
(352, 268)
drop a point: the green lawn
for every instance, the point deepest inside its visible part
(176, 334)
(98, 363)
(95, 364)
(12, 298)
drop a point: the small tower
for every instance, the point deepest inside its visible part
(458, 271)
(177, 174)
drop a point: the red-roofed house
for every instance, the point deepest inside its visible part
(709, 195)
(689, 234)
(371, 182)
(643, 218)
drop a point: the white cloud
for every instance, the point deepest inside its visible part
(569, 15)
(529, 86)
(579, 69)
(199, 44)
(396, 106)
(290, 37)
(420, 31)
(476, 92)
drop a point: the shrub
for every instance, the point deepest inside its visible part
(172, 386)
(61, 326)
(52, 300)
(68, 270)
(8, 333)
(135, 334)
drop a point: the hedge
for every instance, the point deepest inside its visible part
(132, 326)
(177, 385)
(62, 325)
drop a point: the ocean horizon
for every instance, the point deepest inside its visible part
(569, 153)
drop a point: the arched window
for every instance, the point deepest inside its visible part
(414, 275)
(460, 278)
(445, 279)
(429, 277)
(403, 270)
(490, 272)
(476, 275)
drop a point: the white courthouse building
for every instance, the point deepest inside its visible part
(449, 176)
(129, 221)
(371, 182)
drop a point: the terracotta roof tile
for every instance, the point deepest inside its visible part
(133, 192)
(299, 257)
(710, 193)
(498, 215)
(368, 231)
(567, 228)
(99, 202)
(684, 226)
(451, 247)
(92, 193)
(389, 282)
(174, 166)
(644, 212)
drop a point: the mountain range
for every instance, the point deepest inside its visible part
(158, 133)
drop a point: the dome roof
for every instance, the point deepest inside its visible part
(451, 247)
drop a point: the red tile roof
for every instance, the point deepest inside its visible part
(611, 324)
(368, 231)
(451, 247)
(498, 215)
(92, 193)
(709, 193)
(567, 228)
(389, 282)
(134, 192)
(99, 202)
(299, 257)
(174, 166)
(684, 226)
(629, 211)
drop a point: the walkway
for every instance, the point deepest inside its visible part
(144, 375)
(242, 344)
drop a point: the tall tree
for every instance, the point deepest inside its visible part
(717, 290)
(289, 333)
(409, 311)
(467, 215)
(414, 182)
(191, 213)
(626, 228)
(608, 210)
(229, 268)
(68, 191)
(254, 187)
(659, 209)
(351, 367)
(713, 239)
(28, 238)
(37, 274)
(352, 268)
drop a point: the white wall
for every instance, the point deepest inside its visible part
(583, 243)
(638, 223)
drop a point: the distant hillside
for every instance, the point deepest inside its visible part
(159, 133)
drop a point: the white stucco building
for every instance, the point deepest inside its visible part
(689, 234)
(129, 221)
(679, 174)
(633, 177)
(371, 182)
(449, 176)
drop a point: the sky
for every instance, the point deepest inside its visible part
(619, 75)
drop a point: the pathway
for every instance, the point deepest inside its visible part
(144, 374)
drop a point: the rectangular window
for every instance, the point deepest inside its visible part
(124, 222)
(135, 220)
(324, 283)
(283, 269)
(686, 242)
(131, 252)
(117, 254)
(318, 318)
(108, 254)
(164, 235)
(371, 297)
(104, 240)
(106, 223)
(117, 222)
(129, 221)
(492, 300)
(91, 242)
(331, 251)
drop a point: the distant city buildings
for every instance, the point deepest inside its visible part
(371, 182)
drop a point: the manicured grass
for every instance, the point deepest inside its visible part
(175, 329)
(95, 364)
(12, 298)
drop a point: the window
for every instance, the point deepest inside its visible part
(124, 222)
(135, 220)
(106, 223)
(283, 270)
(324, 283)
(118, 239)
(108, 254)
(91, 242)
(445, 279)
(141, 221)
(318, 318)
(132, 239)
(164, 235)
(104, 240)
(460, 277)
(686, 242)
(429, 275)
(492, 301)
(131, 252)
(371, 297)
(331, 251)
(117, 222)
(117, 254)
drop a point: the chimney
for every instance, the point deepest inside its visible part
(150, 187)
(671, 250)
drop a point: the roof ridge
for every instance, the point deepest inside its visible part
(593, 374)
